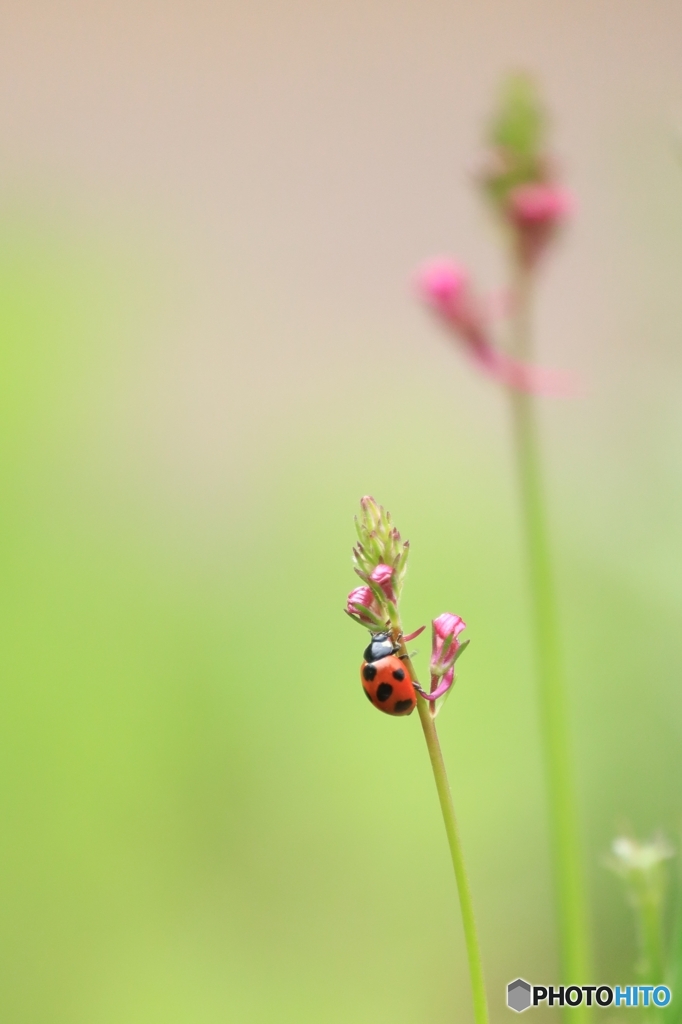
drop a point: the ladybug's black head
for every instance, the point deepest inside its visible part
(380, 647)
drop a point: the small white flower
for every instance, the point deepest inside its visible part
(630, 855)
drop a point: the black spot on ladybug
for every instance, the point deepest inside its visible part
(369, 672)
(402, 705)
(367, 694)
(384, 691)
(399, 674)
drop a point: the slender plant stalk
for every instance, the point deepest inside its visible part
(651, 964)
(673, 1012)
(457, 854)
(652, 967)
(565, 842)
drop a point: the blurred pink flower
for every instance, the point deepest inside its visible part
(536, 203)
(445, 286)
(535, 212)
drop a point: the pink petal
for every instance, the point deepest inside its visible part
(448, 624)
(443, 687)
(520, 376)
(536, 203)
(361, 595)
(383, 576)
(441, 283)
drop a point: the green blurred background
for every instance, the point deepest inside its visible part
(209, 215)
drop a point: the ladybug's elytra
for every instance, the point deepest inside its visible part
(385, 679)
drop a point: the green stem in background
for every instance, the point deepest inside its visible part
(456, 852)
(652, 959)
(673, 1011)
(647, 890)
(643, 870)
(563, 818)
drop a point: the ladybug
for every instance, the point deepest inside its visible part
(385, 678)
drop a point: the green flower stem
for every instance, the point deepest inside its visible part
(563, 816)
(457, 854)
(651, 963)
(652, 969)
(673, 975)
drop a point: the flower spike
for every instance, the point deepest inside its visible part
(519, 176)
(380, 556)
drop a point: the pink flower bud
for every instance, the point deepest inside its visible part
(371, 511)
(383, 576)
(446, 627)
(534, 204)
(362, 597)
(442, 283)
(535, 212)
(445, 286)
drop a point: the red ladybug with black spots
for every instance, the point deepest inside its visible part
(385, 679)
